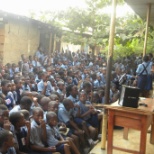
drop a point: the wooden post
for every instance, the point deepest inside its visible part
(110, 51)
(108, 75)
(146, 30)
(104, 130)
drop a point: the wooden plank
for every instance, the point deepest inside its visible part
(121, 121)
(126, 150)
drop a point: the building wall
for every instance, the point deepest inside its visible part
(21, 37)
(2, 40)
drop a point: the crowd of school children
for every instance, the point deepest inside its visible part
(46, 101)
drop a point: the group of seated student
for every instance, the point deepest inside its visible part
(46, 102)
(49, 123)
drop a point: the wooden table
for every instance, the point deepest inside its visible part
(149, 108)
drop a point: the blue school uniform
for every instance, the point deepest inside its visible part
(40, 87)
(11, 150)
(91, 119)
(53, 137)
(74, 100)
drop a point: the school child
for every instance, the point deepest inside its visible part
(44, 86)
(55, 139)
(53, 83)
(89, 114)
(6, 125)
(4, 116)
(25, 103)
(13, 90)
(65, 132)
(65, 115)
(72, 93)
(101, 94)
(6, 90)
(25, 86)
(113, 91)
(95, 97)
(26, 114)
(21, 130)
(38, 137)
(44, 105)
(95, 82)
(54, 96)
(61, 87)
(32, 83)
(87, 87)
(19, 91)
(69, 81)
(6, 142)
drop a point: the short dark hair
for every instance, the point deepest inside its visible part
(15, 117)
(49, 115)
(4, 136)
(86, 84)
(66, 102)
(25, 100)
(36, 109)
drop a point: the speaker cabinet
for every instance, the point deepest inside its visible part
(129, 96)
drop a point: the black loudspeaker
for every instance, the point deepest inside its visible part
(129, 96)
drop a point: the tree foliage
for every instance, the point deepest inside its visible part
(91, 26)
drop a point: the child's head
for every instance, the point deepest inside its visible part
(95, 97)
(13, 87)
(44, 103)
(54, 97)
(17, 119)
(69, 80)
(26, 103)
(44, 76)
(51, 118)
(38, 115)
(4, 114)
(6, 140)
(53, 106)
(18, 83)
(6, 86)
(68, 104)
(26, 114)
(87, 87)
(82, 96)
(57, 77)
(72, 90)
(61, 85)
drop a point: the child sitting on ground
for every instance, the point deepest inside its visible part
(38, 138)
(64, 131)
(55, 139)
(88, 113)
(21, 130)
(6, 141)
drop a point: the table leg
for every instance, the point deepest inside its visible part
(104, 131)
(152, 132)
(125, 133)
(143, 136)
